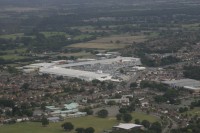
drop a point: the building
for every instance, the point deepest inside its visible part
(103, 70)
(127, 126)
(123, 101)
(85, 75)
(53, 119)
(189, 84)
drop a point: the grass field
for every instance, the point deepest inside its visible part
(19, 50)
(50, 34)
(143, 116)
(124, 39)
(12, 36)
(110, 42)
(12, 57)
(99, 124)
(81, 37)
(78, 54)
(90, 45)
(195, 111)
(195, 26)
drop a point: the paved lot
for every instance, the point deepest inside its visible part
(112, 111)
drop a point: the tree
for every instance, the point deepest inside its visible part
(110, 86)
(131, 107)
(145, 123)
(89, 111)
(123, 110)
(67, 126)
(133, 85)
(80, 130)
(45, 121)
(89, 130)
(119, 117)
(43, 106)
(156, 126)
(102, 113)
(137, 121)
(111, 103)
(127, 117)
(25, 86)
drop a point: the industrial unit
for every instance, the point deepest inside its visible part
(104, 69)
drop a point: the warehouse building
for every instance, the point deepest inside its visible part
(189, 84)
(104, 69)
(85, 75)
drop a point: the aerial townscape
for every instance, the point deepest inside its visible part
(99, 66)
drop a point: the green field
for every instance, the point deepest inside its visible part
(81, 37)
(12, 57)
(18, 50)
(143, 116)
(108, 43)
(99, 124)
(50, 34)
(78, 54)
(12, 36)
(193, 112)
(90, 45)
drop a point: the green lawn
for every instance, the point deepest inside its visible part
(143, 116)
(99, 124)
(50, 34)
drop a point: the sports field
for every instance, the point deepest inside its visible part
(99, 124)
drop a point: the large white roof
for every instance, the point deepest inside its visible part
(86, 75)
(105, 61)
(186, 83)
(127, 126)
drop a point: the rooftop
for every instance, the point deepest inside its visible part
(127, 126)
(86, 75)
(186, 83)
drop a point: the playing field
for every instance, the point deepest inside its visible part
(143, 116)
(99, 124)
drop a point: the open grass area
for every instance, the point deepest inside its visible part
(194, 26)
(50, 34)
(143, 116)
(112, 42)
(124, 39)
(12, 36)
(12, 57)
(13, 51)
(81, 37)
(91, 45)
(99, 124)
(193, 112)
(78, 54)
